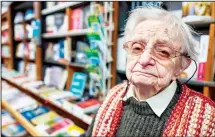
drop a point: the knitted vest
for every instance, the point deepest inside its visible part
(193, 115)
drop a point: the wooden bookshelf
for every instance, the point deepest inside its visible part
(23, 6)
(25, 123)
(6, 17)
(61, 111)
(209, 73)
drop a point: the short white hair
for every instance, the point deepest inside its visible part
(183, 32)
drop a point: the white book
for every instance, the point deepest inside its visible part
(204, 43)
(63, 80)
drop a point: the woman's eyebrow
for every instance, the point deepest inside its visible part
(140, 39)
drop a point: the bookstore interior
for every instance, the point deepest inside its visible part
(60, 59)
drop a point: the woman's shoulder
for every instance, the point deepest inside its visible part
(199, 98)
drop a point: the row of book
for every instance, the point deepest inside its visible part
(19, 31)
(196, 11)
(27, 50)
(73, 100)
(46, 121)
(58, 22)
(11, 127)
(20, 16)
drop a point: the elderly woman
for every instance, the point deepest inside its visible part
(159, 47)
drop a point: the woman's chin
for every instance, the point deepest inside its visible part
(142, 80)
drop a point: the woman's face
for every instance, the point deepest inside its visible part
(147, 69)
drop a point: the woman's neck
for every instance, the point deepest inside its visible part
(144, 92)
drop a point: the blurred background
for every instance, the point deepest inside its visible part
(59, 60)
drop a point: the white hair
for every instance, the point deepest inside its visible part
(182, 32)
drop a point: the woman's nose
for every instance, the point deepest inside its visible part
(146, 58)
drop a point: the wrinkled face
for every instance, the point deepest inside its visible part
(151, 68)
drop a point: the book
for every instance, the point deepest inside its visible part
(59, 125)
(47, 118)
(76, 17)
(21, 101)
(14, 130)
(204, 43)
(75, 130)
(34, 112)
(56, 76)
(63, 80)
(41, 87)
(90, 105)
(81, 56)
(7, 119)
(78, 84)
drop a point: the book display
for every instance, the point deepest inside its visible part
(63, 63)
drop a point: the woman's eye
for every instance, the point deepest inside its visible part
(164, 53)
(137, 50)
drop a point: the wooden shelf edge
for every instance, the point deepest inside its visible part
(5, 43)
(27, 125)
(66, 33)
(5, 57)
(63, 112)
(198, 83)
(59, 7)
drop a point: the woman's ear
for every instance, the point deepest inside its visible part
(187, 62)
(184, 65)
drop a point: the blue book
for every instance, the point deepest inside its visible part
(78, 84)
(61, 49)
(32, 113)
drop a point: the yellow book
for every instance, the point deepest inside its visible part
(47, 118)
(75, 130)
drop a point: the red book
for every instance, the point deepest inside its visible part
(59, 125)
(201, 71)
(76, 18)
(89, 105)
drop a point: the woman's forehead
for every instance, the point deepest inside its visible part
(155, 32)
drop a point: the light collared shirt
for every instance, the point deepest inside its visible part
(160, 101)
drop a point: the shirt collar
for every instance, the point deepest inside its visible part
(160, 101)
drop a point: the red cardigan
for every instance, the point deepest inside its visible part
(193, 115)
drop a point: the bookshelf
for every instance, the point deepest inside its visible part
(209, 74)
(40, 13)
(23, 7)
(71, 35)
(6, 20)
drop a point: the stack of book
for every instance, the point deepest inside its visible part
(58, 51)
